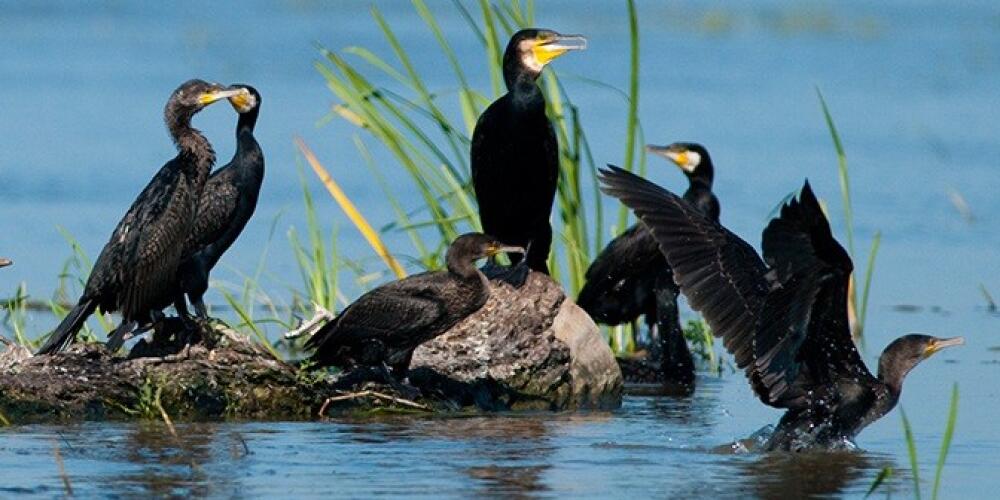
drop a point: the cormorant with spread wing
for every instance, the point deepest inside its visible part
(136, 271)
(785, 322)
(631, 276)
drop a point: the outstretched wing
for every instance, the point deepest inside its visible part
(720, 274)
(620, 281)
(804, 341)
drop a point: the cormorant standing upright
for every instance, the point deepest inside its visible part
(227, 203)
(631, 276)
(785, 322)
(136, 271)
(515, 155)
(383, 327)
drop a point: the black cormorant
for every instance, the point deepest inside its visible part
(515, 155)
(631, 277)
(227, 203)
(136, 271)
(383, 327)
(785, 321)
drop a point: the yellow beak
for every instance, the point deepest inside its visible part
(496, 250)
(547, 50)
(938, 344)
(210, 97)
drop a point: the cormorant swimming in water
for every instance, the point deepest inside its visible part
(515, 155)
(227, 203)
(785, 321)
(631, 277)
(384, 326)
(137, 269)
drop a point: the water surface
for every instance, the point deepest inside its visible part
(913, 87)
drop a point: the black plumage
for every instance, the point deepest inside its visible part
(515, 154)
(631, 276)
(785, 321)
(135, 273)
(383, 327)
(227, 203)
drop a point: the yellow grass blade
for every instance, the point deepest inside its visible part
(350, 210)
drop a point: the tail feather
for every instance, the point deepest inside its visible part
(65, 333)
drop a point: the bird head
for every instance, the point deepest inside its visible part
(908, 351)
(692, 158)
(194, 95)
(532, 49)
(247, 100)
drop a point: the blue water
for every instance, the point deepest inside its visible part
(912, 86)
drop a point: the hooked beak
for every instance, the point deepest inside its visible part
(547, 50)
(209, 97)
(938, 344)
(679, 157)
(5, 262)
(499, 249)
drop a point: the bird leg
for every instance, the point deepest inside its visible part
(199, 307)
(405, 390)
(125, 331)
(677, 362)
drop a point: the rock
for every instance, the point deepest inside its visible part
(527, 348)
(237, 378)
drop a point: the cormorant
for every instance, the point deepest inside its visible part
(136, 271)
(515, 155)
(785, 321)
(227, 203)
(631, 277)
(384, 326)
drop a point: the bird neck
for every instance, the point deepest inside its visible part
(191, 145)
(703, 176)
(246, 123)
(892, 373)
(525, 93)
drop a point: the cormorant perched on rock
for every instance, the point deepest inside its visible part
(136, 271)
(515, 155)
(227, 203)
(785, 321)
(383, 327)
(631, 277)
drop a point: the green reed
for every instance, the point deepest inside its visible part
(911, 449)
(845, 191)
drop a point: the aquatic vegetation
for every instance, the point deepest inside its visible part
(911, 449)
(858, 321)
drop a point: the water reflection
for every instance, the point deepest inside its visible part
(501, 455)
(808, 475)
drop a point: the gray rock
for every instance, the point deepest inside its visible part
(527, 348)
